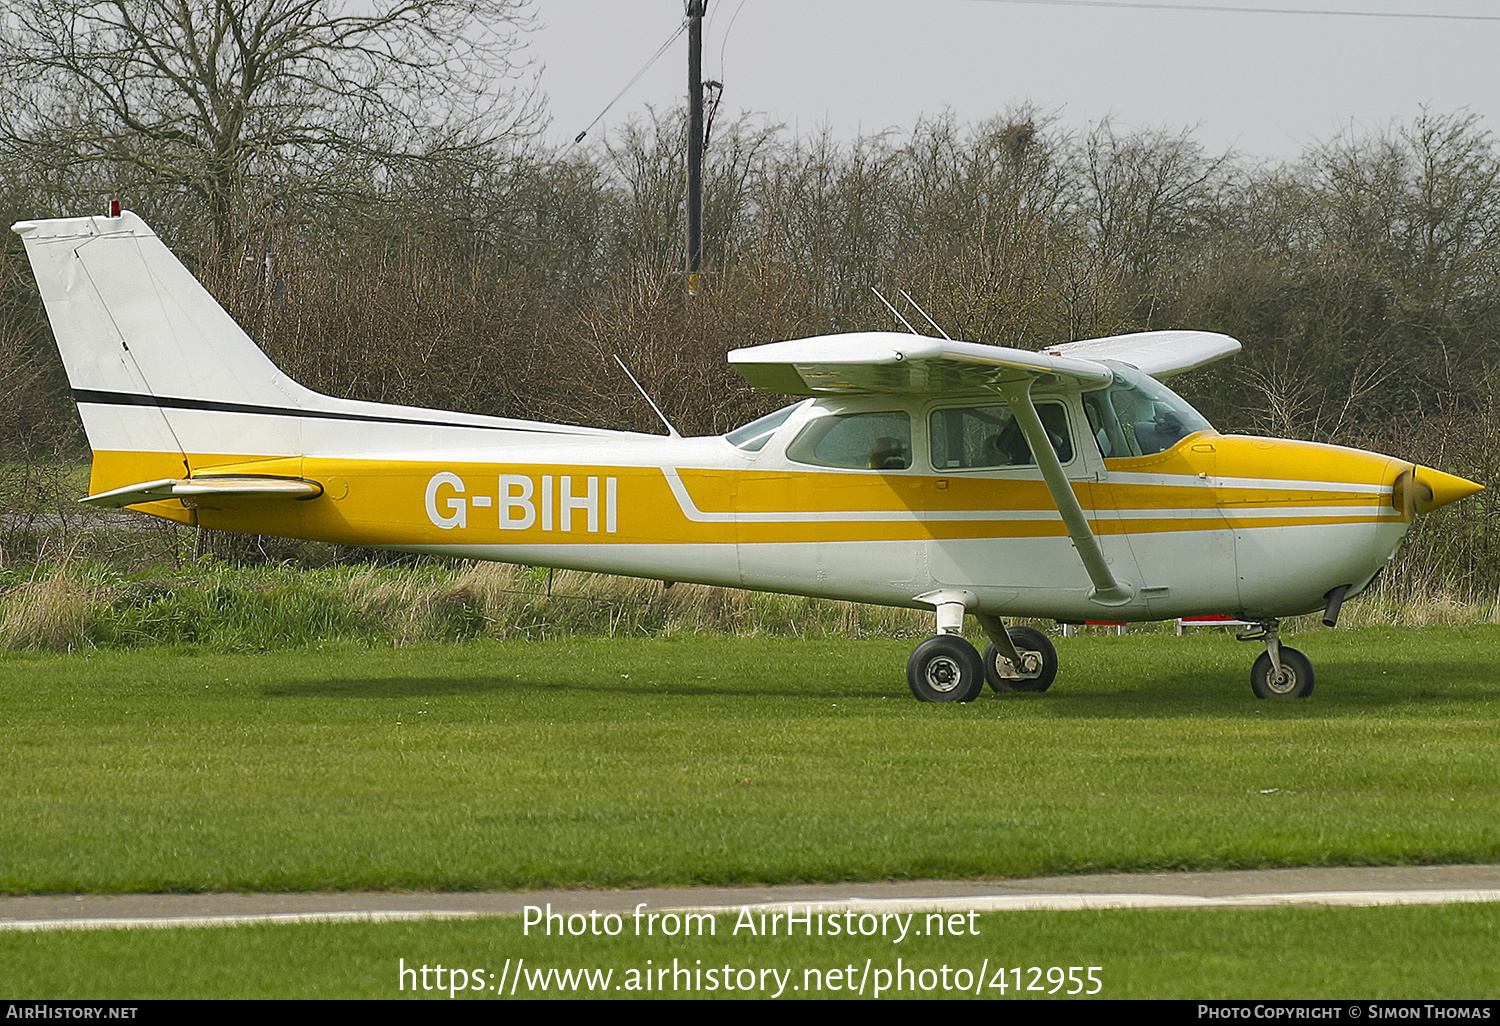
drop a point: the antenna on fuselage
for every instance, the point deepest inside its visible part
(894, 312)
(924, 313)
(671, 431)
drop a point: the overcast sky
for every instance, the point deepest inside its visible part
(1262, 84)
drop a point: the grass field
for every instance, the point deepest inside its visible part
(723, 760)
(92, 605)
(1443, 952)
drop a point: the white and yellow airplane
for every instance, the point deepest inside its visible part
(920, 472)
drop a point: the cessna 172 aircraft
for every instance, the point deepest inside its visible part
(921, 472)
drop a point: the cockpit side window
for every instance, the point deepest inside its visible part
(1138, 415)
(987, 437)
(866, 441)
(753, 436)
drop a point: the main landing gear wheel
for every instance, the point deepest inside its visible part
(1295, 681)
(1038, 662)
(945, 669)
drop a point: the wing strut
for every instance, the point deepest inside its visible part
(1107, 590)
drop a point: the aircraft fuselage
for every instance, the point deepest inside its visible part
(1215, 524)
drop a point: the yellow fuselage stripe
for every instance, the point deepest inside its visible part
(413, 503)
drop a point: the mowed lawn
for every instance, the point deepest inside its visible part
(597, 762)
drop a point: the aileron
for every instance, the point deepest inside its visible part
(1157, 353)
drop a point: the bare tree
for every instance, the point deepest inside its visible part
(233, 102)
(1146, 192)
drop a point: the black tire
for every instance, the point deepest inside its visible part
(1003, 676)
(945, 669)
(1296, 676)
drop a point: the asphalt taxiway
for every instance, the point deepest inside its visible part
(1260, 888)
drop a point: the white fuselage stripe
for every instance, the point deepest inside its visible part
(1354, 514)
(1210, 481)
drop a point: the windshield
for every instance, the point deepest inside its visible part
(1138, 415)
(754, 435)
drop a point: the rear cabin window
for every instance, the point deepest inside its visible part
(988, 437)
(864, 441)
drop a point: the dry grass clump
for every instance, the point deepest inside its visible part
(501, 600)
(1439, 605)
(50, 613)
(398, 603)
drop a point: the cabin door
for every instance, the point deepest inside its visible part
(993, 523)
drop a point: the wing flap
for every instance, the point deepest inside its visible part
(224, 486)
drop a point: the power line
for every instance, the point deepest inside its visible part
(644, 68)
(1225, 9)
(724, 45)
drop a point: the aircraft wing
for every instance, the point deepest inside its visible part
(1157, 353)
(891, 363)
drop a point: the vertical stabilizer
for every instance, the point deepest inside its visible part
(169, 386)
(153, 360)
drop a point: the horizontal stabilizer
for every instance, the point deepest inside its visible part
(220, 486)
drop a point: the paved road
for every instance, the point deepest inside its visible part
(1369, 885)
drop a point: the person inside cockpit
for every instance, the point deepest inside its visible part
(888, 453)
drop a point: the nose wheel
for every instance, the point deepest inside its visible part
(1295, 679)
(1280, 672)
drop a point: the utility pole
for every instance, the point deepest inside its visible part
(695, 12)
